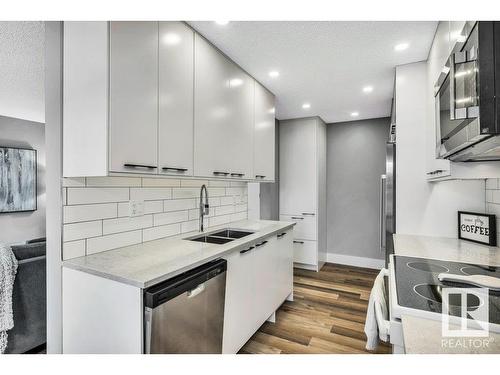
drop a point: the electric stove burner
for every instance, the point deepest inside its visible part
(434, 293)
(427, 267)
(479, 270)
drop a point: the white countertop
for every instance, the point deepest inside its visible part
(149, 263)
(424, 336)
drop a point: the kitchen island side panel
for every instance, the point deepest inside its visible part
(100, 315)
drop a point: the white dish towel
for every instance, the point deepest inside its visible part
(8, 269)
(377, 315)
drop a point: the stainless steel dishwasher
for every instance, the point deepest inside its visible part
(186, 313)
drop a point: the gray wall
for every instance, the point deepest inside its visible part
(355, 161)
(22, 226)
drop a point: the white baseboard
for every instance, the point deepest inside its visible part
(350, 260)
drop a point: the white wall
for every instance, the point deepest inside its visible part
(22, 70)
(21, 226)
(424, 208)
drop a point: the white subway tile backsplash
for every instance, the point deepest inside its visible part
(113, 181)
(88, 212)
(219, 220)
(224, 201)
(97, 195)
(236, 191)
(73, 249)
(150, 194)
(224, 210)
(492, 183)
(170, 217)
(160, 182)
(163, 231)
(125, 224)
(96, 210)
(189, 226)
(193, 183)
(73, 182)
(82, 230)
(179, 204)
(216, 192)
(489, 196)
(112, 241)
(183, 193)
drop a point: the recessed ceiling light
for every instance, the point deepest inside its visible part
(354, 114)
(235, 82)
(368, 89)
(306, 106)
(222, 22)
(401, 46)
(274, 73)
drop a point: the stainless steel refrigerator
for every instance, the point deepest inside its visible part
(388, 202)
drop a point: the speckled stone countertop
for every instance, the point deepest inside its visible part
(424, 336)
(149, 263)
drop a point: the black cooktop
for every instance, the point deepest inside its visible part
(418, 286)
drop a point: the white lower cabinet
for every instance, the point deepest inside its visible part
(306, 227)
(305, 252)
(259, 278)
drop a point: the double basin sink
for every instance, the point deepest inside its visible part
(221, 237)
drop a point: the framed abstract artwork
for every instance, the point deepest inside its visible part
(17, 180)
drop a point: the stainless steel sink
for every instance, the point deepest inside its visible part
(221, 236)
(232, 233)
(210, 239)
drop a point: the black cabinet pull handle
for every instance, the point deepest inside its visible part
(247, 250)
(260, 176)
(281, 235)
(308, 214)
(174, 169)
(301, 242)
(130, 165)
(261, 244)
(297, 218)
(237, 174)
(219, 173)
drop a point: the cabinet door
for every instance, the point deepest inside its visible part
(306, 227)
(239, 136)
(212, 110)
(239, 315)
(133, 96)
(176, 70)
(298, 192)
(265, 279)
(285, 264)
(264, 132)
(305, 252)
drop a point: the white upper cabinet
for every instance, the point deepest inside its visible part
(133, 97)
(223, 115)
(298, 166)
(240, 133)
(212, 110)
(157, 98)
(176, 68)
(264, 134)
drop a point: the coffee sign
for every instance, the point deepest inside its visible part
(476, 227)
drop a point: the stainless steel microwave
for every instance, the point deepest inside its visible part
(466, 105)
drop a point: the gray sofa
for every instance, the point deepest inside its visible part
(29, 298)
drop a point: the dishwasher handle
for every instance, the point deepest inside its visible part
(186, 282)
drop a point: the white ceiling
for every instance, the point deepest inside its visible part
(325, 64)
(22, 70)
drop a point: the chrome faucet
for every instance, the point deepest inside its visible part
(204, 208)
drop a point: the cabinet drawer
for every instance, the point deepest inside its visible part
(305, 252)
(306, 228)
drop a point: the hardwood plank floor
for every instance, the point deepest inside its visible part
(327, 315)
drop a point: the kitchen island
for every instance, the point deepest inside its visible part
(424, 336)
(103, 293)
